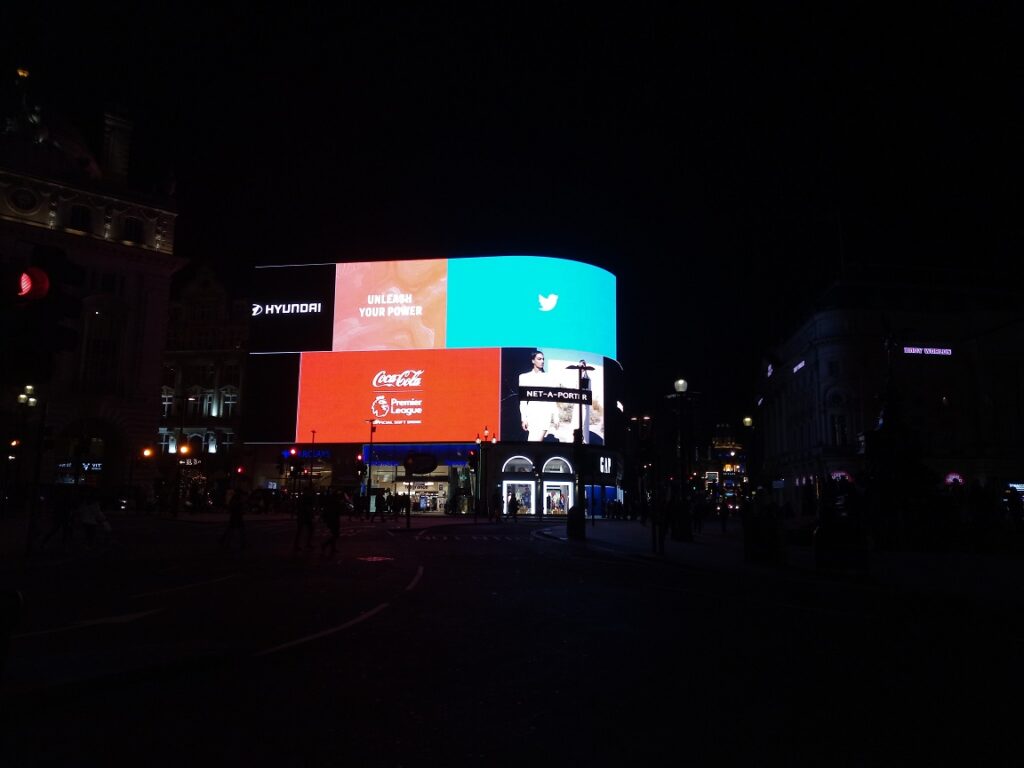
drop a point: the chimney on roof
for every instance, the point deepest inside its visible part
(117, 142)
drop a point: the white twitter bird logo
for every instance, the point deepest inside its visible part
(547, 303)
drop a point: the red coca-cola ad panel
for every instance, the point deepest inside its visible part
(425, 395)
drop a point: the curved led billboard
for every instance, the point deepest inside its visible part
(433, 349)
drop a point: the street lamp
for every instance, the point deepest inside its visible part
(181, 449)
(479, 476)
(27, 398)
(680, 386)
(683, 397)
(481, 470)
(369, 467)
(145, 453)
(572, 531)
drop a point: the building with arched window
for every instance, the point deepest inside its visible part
(108, 247)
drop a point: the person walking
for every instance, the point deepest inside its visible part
(61, 511)
(512, 507)
(332, 519)
(304, 521)
(236, 518)
(698, 510)
(91, 517)
(660, 519)
(376, 507)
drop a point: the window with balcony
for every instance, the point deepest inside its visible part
(229, 401)
(166, 401)
(80, 218)
(837, 428)
(133, 231)
(208, 403)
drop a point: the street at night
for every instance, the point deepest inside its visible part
(388, 386)
(476, 644)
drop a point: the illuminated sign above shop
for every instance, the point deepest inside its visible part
(940, 351)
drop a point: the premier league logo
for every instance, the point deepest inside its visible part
(380, 407)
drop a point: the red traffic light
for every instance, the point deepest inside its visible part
(33, 284)
(240, 470)
(292, 451)
(359, 457)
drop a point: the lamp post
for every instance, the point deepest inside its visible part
(369, 468)
(181, 449)
(145, 453)
(27, 398)
(682, 526)
(479, 476)
(312, 456)
(682, 458)
(574, 529)
(482, 499)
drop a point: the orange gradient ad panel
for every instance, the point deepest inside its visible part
(390, 305)
(422, 395)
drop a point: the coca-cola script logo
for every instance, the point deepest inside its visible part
(407, 378)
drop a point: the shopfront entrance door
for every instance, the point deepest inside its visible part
(557, 497)
(523, 493)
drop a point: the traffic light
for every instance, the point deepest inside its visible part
(23, 285)
(41, 306)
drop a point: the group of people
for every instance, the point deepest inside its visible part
(71, 507)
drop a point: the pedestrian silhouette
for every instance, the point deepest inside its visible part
(697, 511)
(236, 518)
(377, 504)
(61, 515)
(512, 508)
(304, 521)
(91, 517)
(332, 519)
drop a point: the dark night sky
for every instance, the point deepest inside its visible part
(720, 164)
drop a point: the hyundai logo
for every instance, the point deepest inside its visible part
(305, 308)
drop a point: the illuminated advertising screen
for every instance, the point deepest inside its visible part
(434, 349)
(539, 395)
(414, 395)
(390, 305)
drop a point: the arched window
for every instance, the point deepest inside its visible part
(517, 464)
(557, 465)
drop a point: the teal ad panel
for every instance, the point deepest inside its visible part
(526, 301)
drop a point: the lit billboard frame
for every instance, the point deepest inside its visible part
(433, 349)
